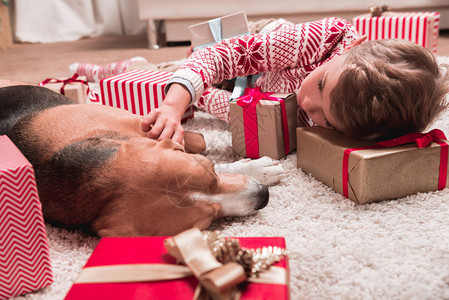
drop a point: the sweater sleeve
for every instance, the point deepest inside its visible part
(287, 48)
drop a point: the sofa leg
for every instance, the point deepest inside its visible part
(156, 34)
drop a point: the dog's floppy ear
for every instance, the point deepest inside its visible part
(169, 144)
(194, 142)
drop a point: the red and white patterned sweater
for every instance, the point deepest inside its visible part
(284, 57)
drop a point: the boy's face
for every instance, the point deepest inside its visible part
(314, 94)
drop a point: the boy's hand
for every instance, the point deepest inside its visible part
(165, 122)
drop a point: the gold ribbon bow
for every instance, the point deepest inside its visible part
(218, 280)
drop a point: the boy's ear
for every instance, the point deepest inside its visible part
(356, 42)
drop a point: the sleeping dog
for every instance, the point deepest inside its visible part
(96, 170)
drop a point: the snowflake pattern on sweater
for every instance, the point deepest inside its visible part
(283, 57)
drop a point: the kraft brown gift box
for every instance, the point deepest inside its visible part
(373, 174)
(74, 90)
(231, 25)
(269, 126)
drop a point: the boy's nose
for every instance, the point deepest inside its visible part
(310, 106)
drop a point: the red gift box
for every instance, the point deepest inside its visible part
(418, 27)
(137, 91)
(151, 250)
(24, 252)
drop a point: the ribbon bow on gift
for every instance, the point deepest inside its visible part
(421, 140)
(377, 11)
(72, 79)
(218, 279)
(218, 270)
(248, 102)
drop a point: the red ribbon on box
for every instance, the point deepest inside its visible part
(248, 102)
(72, 79)
(422, 140)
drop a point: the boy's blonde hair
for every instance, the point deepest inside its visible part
(389, 88)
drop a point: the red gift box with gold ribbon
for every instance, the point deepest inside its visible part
(263, 124)
(370, 172)
(146, 268)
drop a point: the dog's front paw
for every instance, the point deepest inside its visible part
(265, 169)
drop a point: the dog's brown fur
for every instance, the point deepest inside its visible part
(96, 169)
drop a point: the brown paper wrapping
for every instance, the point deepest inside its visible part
(75, 90)
(374, 174)
(269, 126)
(231, 25)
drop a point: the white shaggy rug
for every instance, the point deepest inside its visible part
(395, 249)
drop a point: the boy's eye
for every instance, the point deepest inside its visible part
(320, 84)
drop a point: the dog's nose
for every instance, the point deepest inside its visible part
(263, 197)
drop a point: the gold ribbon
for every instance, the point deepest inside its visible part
(219, 280)
(190, 248)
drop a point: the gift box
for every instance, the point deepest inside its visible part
(210, 32)
(137, 91)
(146, 261)
(213, 31)
(263, 124)
(367, 172)
(75, 87)
(418, 27)
(25, 259)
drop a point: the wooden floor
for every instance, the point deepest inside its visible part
(32, 63)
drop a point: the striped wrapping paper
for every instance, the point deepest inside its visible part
(24, 251)
(418, 27)
(137, 91)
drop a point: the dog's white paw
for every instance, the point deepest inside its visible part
(265, 169)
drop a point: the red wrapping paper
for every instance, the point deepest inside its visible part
(137, 91)
(24, 252)
(112, 251)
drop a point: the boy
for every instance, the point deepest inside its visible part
(374, 90)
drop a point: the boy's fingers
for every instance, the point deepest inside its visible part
(178, 137)
(166, 133)
(155, 131)
(147, 122)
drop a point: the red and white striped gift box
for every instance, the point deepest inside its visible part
(138, 91)
(418, 27)
(24, 252)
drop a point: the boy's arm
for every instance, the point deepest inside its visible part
(291, 47)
